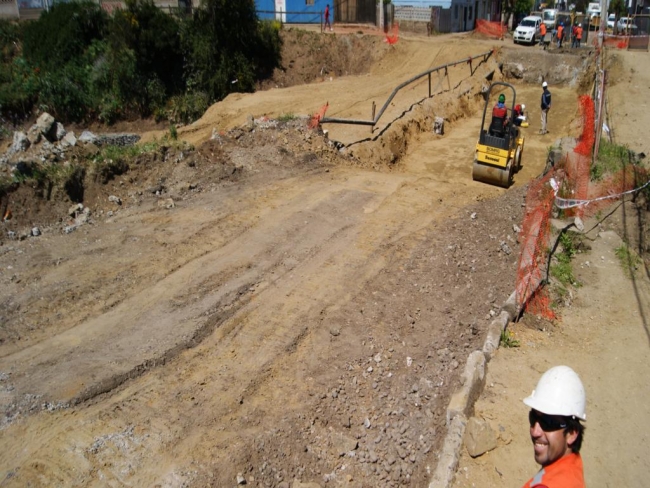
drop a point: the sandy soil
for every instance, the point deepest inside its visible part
(301, 313)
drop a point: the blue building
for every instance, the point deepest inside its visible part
(294, 11)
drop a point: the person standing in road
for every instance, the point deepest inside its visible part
(546, 106)
(542, 35)
(327, 17)
(578, 35)
(560, 34)
(557, 407)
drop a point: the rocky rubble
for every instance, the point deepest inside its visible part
(47, 141)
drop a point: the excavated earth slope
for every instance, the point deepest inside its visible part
(271, 304)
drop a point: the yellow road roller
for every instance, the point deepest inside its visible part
(500, 143)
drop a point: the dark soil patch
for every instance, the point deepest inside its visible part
(310, 56)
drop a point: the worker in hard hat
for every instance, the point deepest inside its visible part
(557, 408)
(560, 34)
(546, 106)
(500, 109)
(520, 116)
(499, 117)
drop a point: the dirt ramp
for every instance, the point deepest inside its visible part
(459, 94)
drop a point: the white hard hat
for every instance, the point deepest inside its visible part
(544, 85)
(559, 392)
(523, 107)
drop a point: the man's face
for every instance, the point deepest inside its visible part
(550, 444)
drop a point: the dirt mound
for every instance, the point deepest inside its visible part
(311, 57)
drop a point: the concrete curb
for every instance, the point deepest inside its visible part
(461, 404)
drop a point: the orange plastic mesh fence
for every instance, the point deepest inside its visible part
(393, 37)
(315, 119)
(604, 192)
(576, 195)
(534, 238)
(620, 42)
(492, 29)
(580, 161)
(586, 140)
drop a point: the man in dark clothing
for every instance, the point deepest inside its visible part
(546, 106)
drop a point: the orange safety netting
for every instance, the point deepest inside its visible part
(492, 29)
(577, 195)
(315, 119)
(613, 185)
(586, 140)
(534, 237)
(579, 162)
(620, 42)
(394, 35)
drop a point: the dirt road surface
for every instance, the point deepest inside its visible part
(302, 314)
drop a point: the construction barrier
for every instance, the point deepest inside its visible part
(393, 37)
(618, 42)
(534, 238)
(314, 120)
(567, 186)
(492, 29)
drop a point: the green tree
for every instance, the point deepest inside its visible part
(227, 49)
(142, 65)
(517, 8)
(617, 7)
(63, 34)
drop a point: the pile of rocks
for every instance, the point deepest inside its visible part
(48, 140)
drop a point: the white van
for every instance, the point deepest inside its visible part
(593, 10)
(549, 17)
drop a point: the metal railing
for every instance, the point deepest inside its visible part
(428, 73)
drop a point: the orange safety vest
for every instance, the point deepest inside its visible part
(579, 32)
(566, 472)
(560, 31)
(542, 29)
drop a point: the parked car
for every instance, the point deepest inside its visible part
(528, 30)
(611, 20)
(626, 24)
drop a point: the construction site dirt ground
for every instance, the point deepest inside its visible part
(302, 309)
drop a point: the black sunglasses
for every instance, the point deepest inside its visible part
(548, 423)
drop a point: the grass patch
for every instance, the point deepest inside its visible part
(630, 261)
(508, 339)
(570, 244)
(563, 272)
(287, 117)
(611, 159)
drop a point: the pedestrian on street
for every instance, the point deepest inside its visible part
(557, 407)
(560, 34)
(546, 106)
(578, 35)
(542, 35)
(327, 17)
